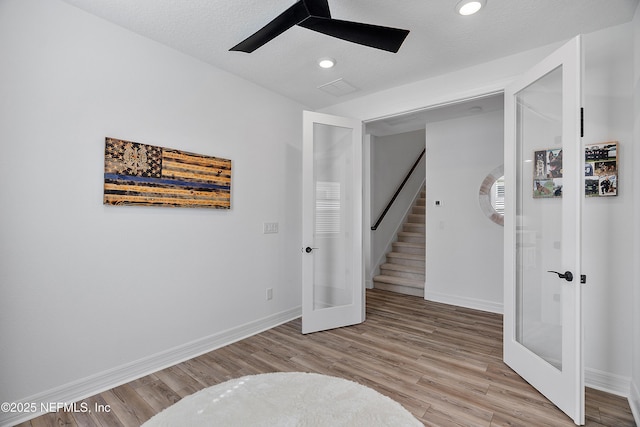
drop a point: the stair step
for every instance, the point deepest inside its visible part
(400, 267)
(406, 271)
(406, 259)
(420, 210)
(406, 290)
(403, 275)
(413, 227)
(417, 218)
(398, 284)
(421, 202)
(408, 236)
(394, 280)
(409, 248)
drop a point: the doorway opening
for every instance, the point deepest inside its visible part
(463, 142)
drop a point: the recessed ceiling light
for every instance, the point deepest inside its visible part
(326, 62)
(469, 7)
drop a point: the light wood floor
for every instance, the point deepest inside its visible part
(443, 363)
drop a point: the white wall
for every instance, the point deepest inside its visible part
(92, 294)
(607, 249)
(464, 247)
(635, 383)
(391, 159)
(608, 87)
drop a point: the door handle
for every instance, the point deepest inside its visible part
(568, 276)
(309, 249)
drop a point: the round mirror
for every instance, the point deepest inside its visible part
(491, 195)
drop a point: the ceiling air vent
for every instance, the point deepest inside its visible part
(337, 88)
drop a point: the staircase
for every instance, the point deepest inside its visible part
(404, 269)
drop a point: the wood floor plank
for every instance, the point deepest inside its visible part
(130, 408)
(442, 363)
(158, 395)
(179, 381)
(100, 415)
(202, 372)
(537, 411)
(55, 419)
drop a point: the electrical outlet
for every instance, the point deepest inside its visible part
(269, 294)
(269, 228)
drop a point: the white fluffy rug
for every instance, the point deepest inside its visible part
(286, 399)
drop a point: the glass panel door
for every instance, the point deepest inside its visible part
(333, 286)
(544, 188)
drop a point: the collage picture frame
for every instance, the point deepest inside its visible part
(600, 171)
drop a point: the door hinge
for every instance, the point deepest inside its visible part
(583, 278)
(581, 122)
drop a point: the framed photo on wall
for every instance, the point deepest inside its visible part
(547, 173)
(601, 169)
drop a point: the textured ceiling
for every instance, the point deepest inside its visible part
(440, 40)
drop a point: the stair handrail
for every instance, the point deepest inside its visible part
(375, 226)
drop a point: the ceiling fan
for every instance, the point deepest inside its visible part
(315, 15)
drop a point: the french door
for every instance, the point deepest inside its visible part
(544, 182)
(332, 261)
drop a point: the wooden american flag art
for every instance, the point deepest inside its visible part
(140, 174)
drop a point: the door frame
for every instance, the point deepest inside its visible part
(497, 89)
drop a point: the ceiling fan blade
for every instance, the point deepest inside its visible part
(287, 19)
(319, 8)
(385, 38)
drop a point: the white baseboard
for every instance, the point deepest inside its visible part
(106, 380)
(634, 401)
(476, 304)
(607, 382)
